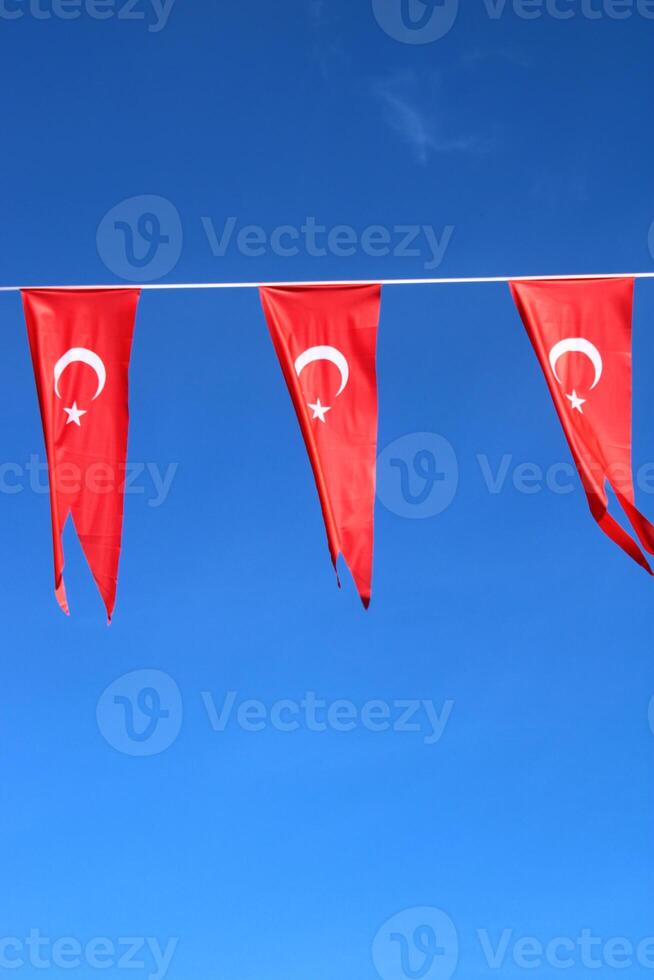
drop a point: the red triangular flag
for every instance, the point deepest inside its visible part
(581, 331)
(326, 341)
(81, 342)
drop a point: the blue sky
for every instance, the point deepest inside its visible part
(523, 147)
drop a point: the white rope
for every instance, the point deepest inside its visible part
(341, 282)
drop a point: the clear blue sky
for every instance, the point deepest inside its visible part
(279, 855)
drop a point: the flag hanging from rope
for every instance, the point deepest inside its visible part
(581, 332)
(81, 343)
(326, 341)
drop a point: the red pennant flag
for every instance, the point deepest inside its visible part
(81, 342)
(581, 331)
(326, 341)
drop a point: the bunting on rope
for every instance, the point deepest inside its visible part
(581, 332)
(81, 343)
(325, 336)
(326, 342)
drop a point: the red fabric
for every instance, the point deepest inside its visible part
(343, 447)
(85, 429)
(596, 312)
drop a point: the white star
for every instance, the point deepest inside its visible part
(75, 414)
(576, 401)
(319, 411)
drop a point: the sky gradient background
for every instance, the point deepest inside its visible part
(280, 855)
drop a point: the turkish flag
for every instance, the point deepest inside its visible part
(81, 342)
(326, 341)
(581, 332)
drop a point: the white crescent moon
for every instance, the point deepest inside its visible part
(577, 345)
(82, 356)
(325, 354)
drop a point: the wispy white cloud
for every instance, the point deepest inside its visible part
(403, 99)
